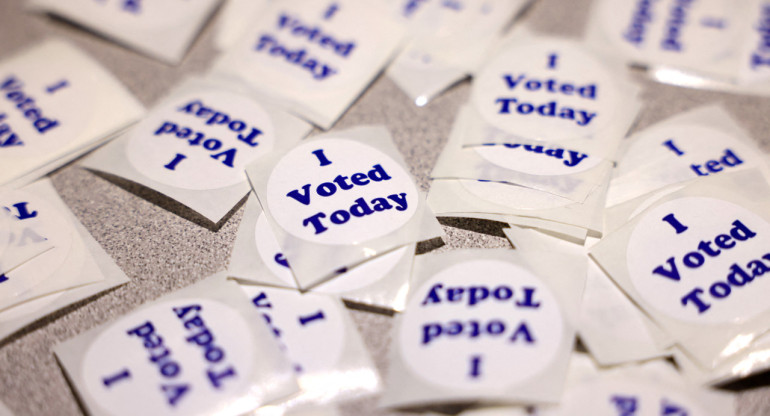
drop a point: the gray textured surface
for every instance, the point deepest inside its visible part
(162, 246)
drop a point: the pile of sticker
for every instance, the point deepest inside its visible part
(648, 247)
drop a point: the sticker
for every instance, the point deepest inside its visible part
(502, 329)
(41, 222)
(626, 397)
(185, 356)
(708, 269)
(338, 191)
(701, 150)
(549, 90)
(538, 159)
(162, 29)
(510, 195)
(270, 252)
(300, 321)
(41, 107)
(358, 277)
(201, 140)
(662, 31)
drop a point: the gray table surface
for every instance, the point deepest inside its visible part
(162, 246)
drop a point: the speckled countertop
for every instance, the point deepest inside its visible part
(163, 246)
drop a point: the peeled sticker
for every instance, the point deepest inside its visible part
(19, 241)
(198, 139)
(162, 29)
(321, 342)
(50, 114)
(46, 219)
(339, 199)
(702, 286)
(195, 351)
(313, 57)
(257, 258)
(448, 40)
(91, 267)
(701, 142)
(502, 336)
(554, 90)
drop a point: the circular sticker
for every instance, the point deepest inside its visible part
(270, 252)
(660, 32)
(538, 160)
(309, 326)
(481, 324)
(186, 356)
(358, 277)
(514, 196)
(41, 112)
(686, 148)
(311, 49)
(699, 260)
(365, 274)
(620, 397)
(338, 191)
(201, 140)
(37, 222)
(549, 90)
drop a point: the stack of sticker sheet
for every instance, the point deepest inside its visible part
(535, 144)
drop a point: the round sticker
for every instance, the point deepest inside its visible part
(514, 196)
(37, 222)
(549, 90)
(309, 326)
(186, 356)
(659, 32)
(338, 191)
(620, 397)
(201, 140)
(270, 252)
(538, 159)
(358, 277)
(42, 111)
(365, 274)
(481, 324)
(699, 260)
(695, 150)
(311, 49)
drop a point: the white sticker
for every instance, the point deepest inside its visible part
(300, 321)
(36, 116)
(626, 397)
(42, 222)
(355, 278)
(160, 28)
(481, 324)
(547, 89)
(270, 252)
(185, 356)
(338, 191)
(201, 140)
(315, 56)
(49, 114)
(538, 159)
(702, 151)
(510, 195)
(699, 259)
